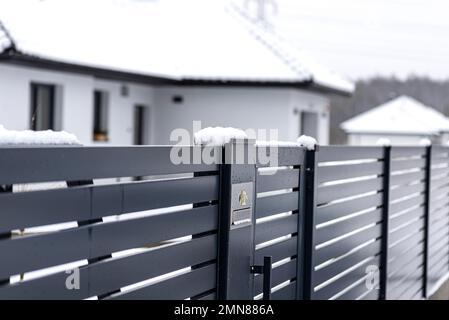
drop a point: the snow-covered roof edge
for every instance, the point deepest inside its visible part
(415, 119)
(309, 75)
(319, 76)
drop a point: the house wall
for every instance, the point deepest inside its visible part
(74, 99)
(243, 107)
(399, 140)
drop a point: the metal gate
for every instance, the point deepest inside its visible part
(261, 242)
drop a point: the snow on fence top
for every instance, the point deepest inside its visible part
(384, 142)
(28, 137)
(218, 136)
(307, 142)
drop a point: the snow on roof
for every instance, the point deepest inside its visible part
(403, 115)
(175, 39)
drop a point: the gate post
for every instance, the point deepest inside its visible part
(428, 176)
(385, 223)
(236, 220)
(307, 207)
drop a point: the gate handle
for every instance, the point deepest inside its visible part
(265, 270)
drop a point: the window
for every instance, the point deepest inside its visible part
(309, 124)
(140, 124)
(100, 116)
(42, 107)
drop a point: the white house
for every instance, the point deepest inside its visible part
(403, 121)
(130, 71)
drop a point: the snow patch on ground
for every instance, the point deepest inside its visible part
(218, 136)
(307, 142)
(29, 137)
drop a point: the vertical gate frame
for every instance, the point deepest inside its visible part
(428, 176)
(308, 207)
(385, 224)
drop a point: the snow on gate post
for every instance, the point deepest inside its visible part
(236, 220)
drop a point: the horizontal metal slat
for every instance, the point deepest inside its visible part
(441, 252)
(332, 173)
(403, 152)
(438, 271)
(271, 230)
(286, 293)
(405, 244)
(346, 153)
(436, 172)
(280, 274)
(335, 268)
(439, 160)
(330, 193)
(281, 179)
(399, 165)
(439, 243)
(397, 289)
(145, 196)
(285, 156)
(406, 204)
(181, 287)
(338, 210)
(439, 185)
(30, 253)
(405, 217)
(31, 209)
(410, 228)
(341, 228)
(407, 178)
(52, 287)
(111, 275)
(42, 164)
(140, 232)
(404, 274)
(210, 296)
(360, 290)
(402, 191)
(345, 281)
(397, 265)
(280, 203)
(278, 251)
(410, 293)
(345, 245)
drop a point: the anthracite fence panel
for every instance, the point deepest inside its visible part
(347, 222)
(336, 223)
(278, 221)
(150, 238)
(407, 223)
(439, 218)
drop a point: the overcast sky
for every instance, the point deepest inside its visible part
(362, 38)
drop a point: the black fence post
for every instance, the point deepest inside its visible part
(385, 224)
(308, 203)
(428, 176)
(236, 221)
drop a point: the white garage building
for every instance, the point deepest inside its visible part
(403, 121)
